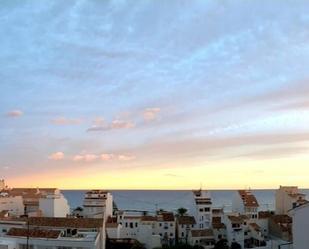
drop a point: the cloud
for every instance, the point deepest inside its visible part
(173, 175)
(151, 113)
(115, 125)
(126, 157)
(121, 124)
(107, 157)
(66, 121)
(57, 156)
(85, 158)
(104, 157)
(14, 113)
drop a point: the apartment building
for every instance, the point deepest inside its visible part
(244, 202)
(203, 206)
(52, 233)
(98, 204)
(287, 198)
(300, 227)
(184, 224)
(48, 202)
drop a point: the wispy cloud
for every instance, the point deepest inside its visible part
(14, 113)
(66, 121)
(85, 158)
(107, 157)
(114, 125)
(57, 156)
(126, 157)
(151, 113)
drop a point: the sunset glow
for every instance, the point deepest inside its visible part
(154, 95)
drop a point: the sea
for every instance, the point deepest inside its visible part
(171, 200)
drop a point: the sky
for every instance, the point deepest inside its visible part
(154, 94)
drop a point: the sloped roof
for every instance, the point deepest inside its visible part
(33, 233)
(186, 220)
(202, 233)
(248, 198)
(66, 222)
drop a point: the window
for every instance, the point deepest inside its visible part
(171, 234)
(171, 224)
(131, 224)
(126, 224)
(182, 234)
(135, 224)
(207, 209)
(201, 209)
(160, 224)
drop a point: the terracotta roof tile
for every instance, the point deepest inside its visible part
(248, 198)
(33, 233)
(186, 220)
(202, 233)
(66, 222)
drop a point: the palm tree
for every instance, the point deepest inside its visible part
(181, 211)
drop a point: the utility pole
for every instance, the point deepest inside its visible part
(28, 230)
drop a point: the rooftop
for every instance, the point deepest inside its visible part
(33, 233)
(248, 198)
(202, 233)
(65, 222)
(186, 220)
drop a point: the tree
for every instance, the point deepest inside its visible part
(235, 245)
(221, 244)
(181, 211)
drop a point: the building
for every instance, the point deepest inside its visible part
(280, 227)
(54, 205)
(288, 198)
(235, 229)
(48, 202)
(184, 225)
(12, 204)
(2, 184)
(52, 233)
(202, 237)
(203, 209)
(98, 204)
(244, 202)
(166, 227)
(151, 231)
(300, 227)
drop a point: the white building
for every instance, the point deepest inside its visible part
(40, 201)
(2, 184)
(235, 231)
(219, 228)
(244, 202)
(13, 204)
(202, 237)
(203, 209)
(184, 226)
(300, 227)
(152, 231)
(288, 198)
(166, 227)
(54, 205)
(97, 204)
(52, 233)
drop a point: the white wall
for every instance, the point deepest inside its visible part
(237, 203)
(301, 227)
(14, 205)
(54, 206)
